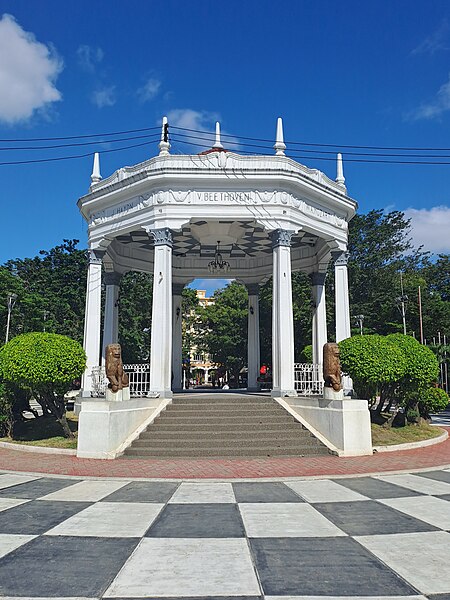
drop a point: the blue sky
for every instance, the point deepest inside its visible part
(372, 73)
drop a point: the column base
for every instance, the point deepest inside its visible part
(160, 394)
(284, 394)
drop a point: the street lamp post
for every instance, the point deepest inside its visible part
(10, 300)
(359, 321)
(401, 302)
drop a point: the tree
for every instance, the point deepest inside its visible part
(135, 316)
(225, 328)
(47, 363)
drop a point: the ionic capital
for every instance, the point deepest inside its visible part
(177, 289)
(252, 288)
(95, 256)
(340, 258)
(112, 278)
(318, 278)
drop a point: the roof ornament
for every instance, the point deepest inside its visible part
(340, 179)
(164, 144)
(218, 143)
(96, 177)
(280, 146)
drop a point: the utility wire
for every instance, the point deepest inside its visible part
(76, 137)
(97, 142)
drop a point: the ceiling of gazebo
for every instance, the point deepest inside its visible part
(238, 239)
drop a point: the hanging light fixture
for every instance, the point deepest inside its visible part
(218, 264)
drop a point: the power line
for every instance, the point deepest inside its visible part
(405, 148)
(113, 141)
(76, 137)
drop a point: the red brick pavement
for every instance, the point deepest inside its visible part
(326, 466)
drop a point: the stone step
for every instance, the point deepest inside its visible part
(233, 412)
(223, 442)
(237, 426)
(218, 420)
(200, 434)
(235, 452)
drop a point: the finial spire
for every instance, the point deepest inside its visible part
(164, 144)
(96, 177)
(218, 143)
(340, 179)
(280, 146)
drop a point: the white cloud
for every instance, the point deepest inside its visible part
(199, 120)
(430, 228)
(28, 72)
(149, 90)
(438, 40)
(105, 96)
(435, 107)
(89, 57)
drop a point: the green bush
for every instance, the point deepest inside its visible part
(374, 363)
(433, 399)
(6, 415)
(47, 363)
(307, 355)
(422, 368)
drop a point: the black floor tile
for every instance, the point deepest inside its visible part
(198, 520)
(436, 475)
(63, 566)
(370, 518)
(141, 491)
(439, 597)
(444, 497)
(36, 489)
(321, 567)
(37, 516)
(375, 488)
(264, 492)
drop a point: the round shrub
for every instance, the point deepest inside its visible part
(40, 360)
(422, 367)
(373, 362)
(434, 399)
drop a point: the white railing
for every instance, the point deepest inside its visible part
(138, 375)
(308, 379)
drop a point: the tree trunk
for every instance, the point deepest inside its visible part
(58, 409)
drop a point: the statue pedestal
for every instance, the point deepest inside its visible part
(119, 396)
(330, 394)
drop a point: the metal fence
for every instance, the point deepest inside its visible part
(308, 379)
(139, 377)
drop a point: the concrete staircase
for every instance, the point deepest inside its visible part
(226, 426)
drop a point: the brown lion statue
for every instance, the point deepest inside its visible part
(332, 366)
(118, 379)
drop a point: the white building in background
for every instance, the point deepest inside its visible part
(186, 217)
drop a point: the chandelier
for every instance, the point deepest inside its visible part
(218, 264)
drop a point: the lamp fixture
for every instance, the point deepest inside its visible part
(218, 264)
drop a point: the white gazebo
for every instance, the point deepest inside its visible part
(167, 216)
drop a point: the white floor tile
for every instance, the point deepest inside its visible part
(434, 511)
(162, 567)
(420, 558)
(9, 542)
(86, 491)
(110, 519)
(6, 503)
(9, 479)
(193, 493)
(417, 483)
(286, 519)
(323, 490)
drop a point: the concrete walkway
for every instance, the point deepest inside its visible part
(384, 537)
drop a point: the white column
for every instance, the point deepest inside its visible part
(282, 316)
(341, 296)
(161, 338)
(111, 319)
(206, 375)
(319, 321)
(253, 348)
(92, 317)
(177, 345)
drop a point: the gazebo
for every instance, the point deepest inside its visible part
(172, 215)
(208, 215)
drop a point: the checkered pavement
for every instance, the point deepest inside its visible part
(380, 537)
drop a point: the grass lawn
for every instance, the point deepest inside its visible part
(45, 432)
(403, 435)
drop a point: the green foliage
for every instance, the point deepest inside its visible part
(434, 399)
(42, 360)
(307, 355)
(374, 363)
(47, 363)
(422, 367)
(225, 322)
(135, 316)
(6, 413)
